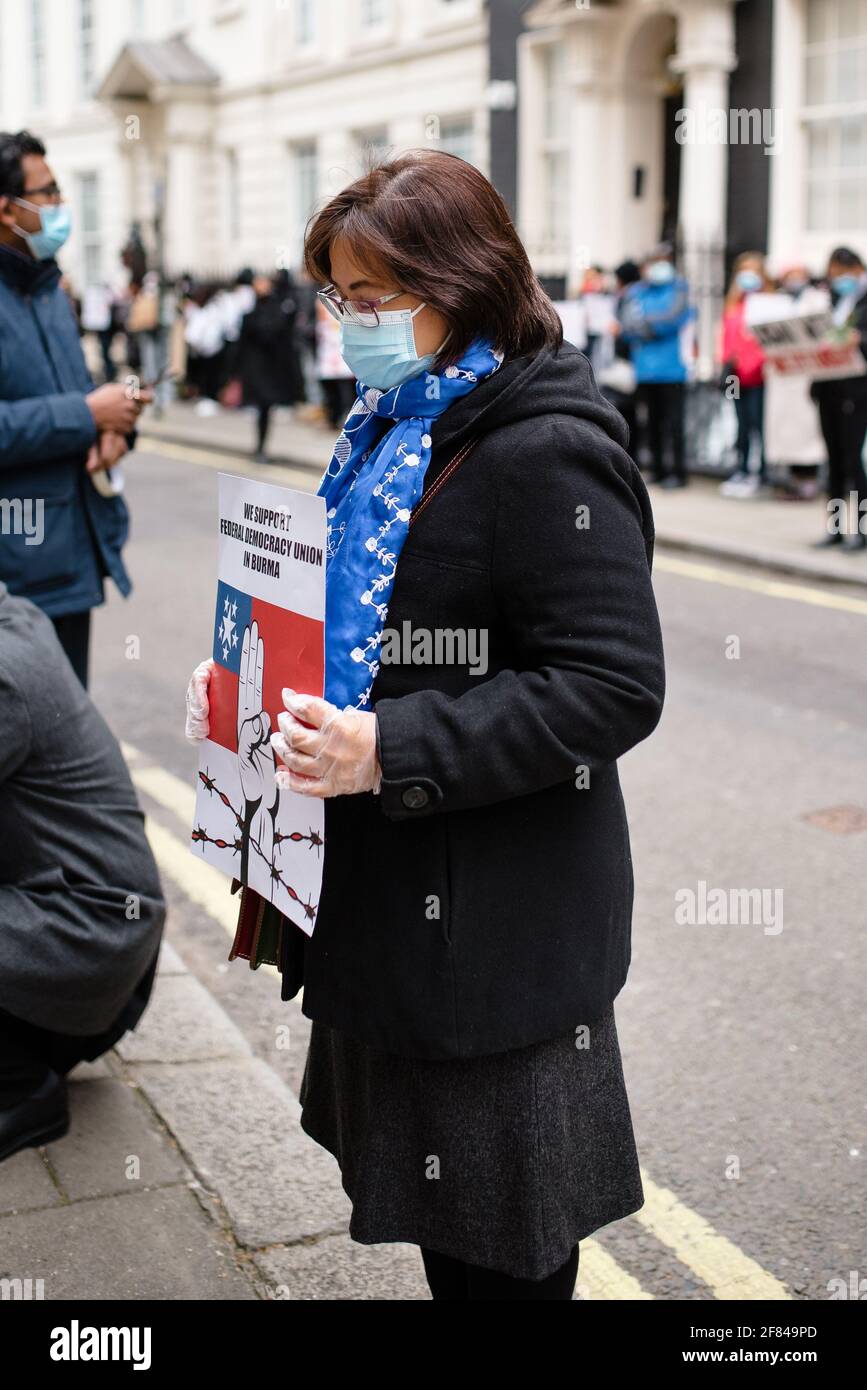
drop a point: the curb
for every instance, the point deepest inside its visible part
(778, 564)
(711, 550)
(229, 449)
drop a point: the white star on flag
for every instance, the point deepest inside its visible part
(227, 632)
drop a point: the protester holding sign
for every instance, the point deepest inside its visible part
(474, 928)
(842, 401)
(743, 365)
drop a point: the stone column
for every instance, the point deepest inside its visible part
(188, 220)
(705, 56)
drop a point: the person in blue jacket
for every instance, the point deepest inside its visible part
(59, 536)
(652, 313)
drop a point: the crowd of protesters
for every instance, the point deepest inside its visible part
(263, 341)
(637, 325)
(259, 341)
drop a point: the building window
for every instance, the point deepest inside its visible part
(372, 14)
(555, 149)
(86, 46)
(835, 115)
(37, 51)
(305, 22)
(88, 221)
(457, 137)
(305, 189)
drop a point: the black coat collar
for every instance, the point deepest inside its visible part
(477, 412)
(25, 274)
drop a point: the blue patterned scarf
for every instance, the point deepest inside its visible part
(370, 487)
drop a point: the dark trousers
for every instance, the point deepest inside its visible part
(457, 1282)
(106, 338)
(664, 402)
(844, 426)
(262, 423)
(750, 408)
(73, 631)
(28, 1052)
(338, 394)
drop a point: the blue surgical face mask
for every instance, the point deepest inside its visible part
(660, 272)
(844, 285)
(55, 225)
(383, 356)
(747, 280)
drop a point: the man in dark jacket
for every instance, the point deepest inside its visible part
(842, 401)
(81, 910)
(61, 536)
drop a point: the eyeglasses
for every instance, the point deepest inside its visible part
(357, 310)
(48, 190)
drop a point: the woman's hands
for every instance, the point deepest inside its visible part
(198, 708)
(337, 757)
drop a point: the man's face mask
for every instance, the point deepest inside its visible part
(55, 224)
(660, 272)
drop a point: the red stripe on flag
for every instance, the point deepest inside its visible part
(294, 656)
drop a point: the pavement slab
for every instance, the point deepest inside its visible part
(339, 1268)
(144, 1245)
(239, 1126)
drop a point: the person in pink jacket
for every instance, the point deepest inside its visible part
(744, 365)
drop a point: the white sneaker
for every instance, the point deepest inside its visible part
(207, 407)
(751, 486)
(733, 486)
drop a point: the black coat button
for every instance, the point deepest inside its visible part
(414, 797)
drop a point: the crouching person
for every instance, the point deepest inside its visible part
(81, 910)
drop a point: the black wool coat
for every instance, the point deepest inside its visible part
(482, 900)
(268, 361)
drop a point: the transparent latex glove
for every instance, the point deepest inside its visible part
(197, 701)
(337, 757)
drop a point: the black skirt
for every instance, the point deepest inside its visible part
(504, 1161)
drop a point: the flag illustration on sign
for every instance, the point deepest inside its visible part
(269, 838)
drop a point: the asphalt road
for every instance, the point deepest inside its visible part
(743, 1044)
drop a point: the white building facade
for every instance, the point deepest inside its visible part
(227, 121)
(633, 119)
(819, 180)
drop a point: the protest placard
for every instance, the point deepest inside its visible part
(268, 634)
(804, 344)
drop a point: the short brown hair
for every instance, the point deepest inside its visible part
(442, 231)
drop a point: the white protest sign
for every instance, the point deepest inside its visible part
(268, 634)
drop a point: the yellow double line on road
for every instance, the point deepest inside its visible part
(306, 479)
(772, 588)
(713, 1258)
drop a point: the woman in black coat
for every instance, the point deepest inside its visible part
(486, 666)
(269, 362)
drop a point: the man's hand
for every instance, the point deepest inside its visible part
(116, 407)
(105, 454)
